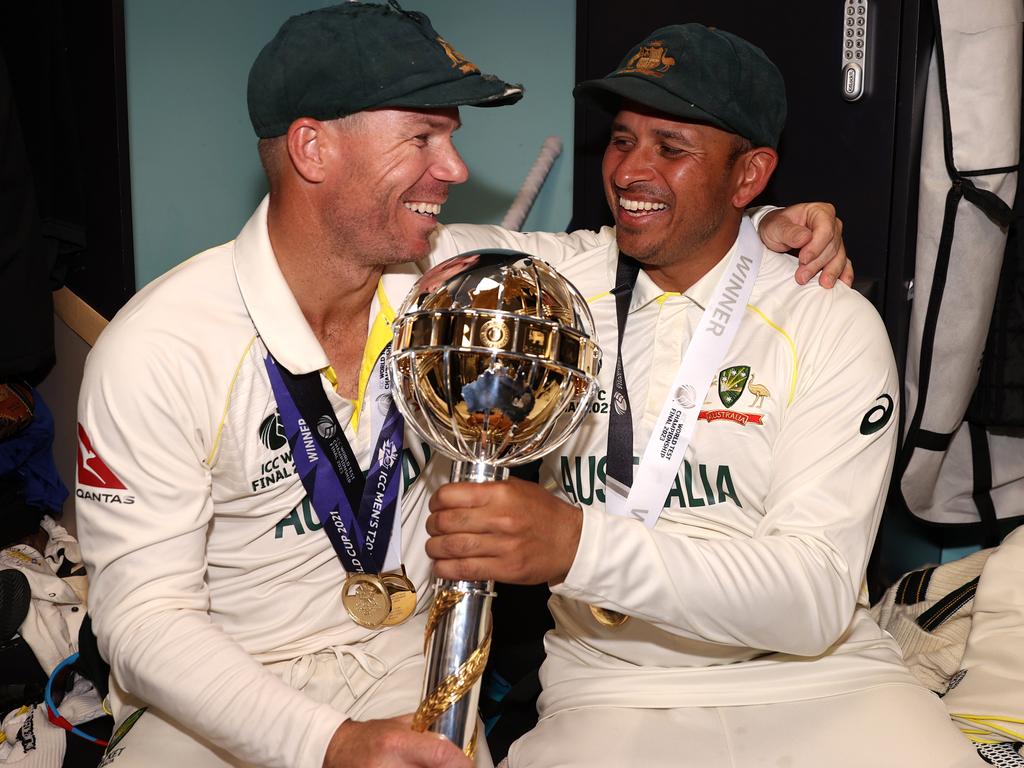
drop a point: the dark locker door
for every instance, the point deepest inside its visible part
(862, 155)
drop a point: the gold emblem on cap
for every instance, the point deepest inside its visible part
(494, 333)
(650, 60)
(459, 61)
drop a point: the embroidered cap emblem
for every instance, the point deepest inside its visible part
(650, 60)
(459, 61)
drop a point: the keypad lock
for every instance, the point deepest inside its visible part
(855, 48)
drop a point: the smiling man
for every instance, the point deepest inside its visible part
(706, 532)
(257, 604)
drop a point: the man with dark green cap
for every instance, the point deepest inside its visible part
(256, 607)
(707, 546)
(239, 632)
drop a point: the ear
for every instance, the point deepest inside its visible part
(307, 149)
(755, 167)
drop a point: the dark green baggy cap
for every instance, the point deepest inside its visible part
(336, 61)
(699, 75)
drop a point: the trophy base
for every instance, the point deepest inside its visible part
(477, 472)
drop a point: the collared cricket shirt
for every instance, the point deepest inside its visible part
(749, 588)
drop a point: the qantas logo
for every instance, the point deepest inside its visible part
(91, 469)
(94, 473)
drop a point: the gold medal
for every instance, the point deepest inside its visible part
(608, 618)
(402, 594)
(366, 600)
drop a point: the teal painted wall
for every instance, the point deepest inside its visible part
(194, 172)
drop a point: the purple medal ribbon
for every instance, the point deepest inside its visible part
(357, 513)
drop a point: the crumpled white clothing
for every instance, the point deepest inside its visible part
(57, 608)
(32, 741)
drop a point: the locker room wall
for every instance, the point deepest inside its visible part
(195, 175)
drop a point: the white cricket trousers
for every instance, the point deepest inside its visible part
(892, 726)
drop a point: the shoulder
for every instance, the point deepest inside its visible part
(837, 323)
(178, 322)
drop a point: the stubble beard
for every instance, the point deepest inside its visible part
(672, 249)
(371, 243)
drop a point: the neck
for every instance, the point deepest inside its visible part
(333, 289)
(685, 269)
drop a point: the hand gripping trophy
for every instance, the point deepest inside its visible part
(494, 363)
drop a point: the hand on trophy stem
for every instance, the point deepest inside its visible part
(511, 531)
(390, 743)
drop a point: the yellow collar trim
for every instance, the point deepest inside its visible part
(379, 337)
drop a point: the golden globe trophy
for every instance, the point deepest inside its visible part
(494, 364)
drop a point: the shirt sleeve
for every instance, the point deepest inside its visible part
(793, 584)
(553, 247)
(143, 508)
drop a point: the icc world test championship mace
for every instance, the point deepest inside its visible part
(494, 364)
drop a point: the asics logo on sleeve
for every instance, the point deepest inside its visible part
(878, 416)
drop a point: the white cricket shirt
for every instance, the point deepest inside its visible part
(749, 588)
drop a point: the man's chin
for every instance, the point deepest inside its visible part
(415, 249)
(638, 248)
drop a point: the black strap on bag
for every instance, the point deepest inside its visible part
(961, 188)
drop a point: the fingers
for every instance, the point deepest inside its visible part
(461, 495)
(464, 520)
(793, 236)
(831, 271)
(783, 229)
(475, 569)
(825, 252)
(847, 275)
(467, 545)
(440, 754)
(510, 531)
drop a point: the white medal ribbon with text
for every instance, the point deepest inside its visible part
(718, 325)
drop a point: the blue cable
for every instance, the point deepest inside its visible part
(54, 714)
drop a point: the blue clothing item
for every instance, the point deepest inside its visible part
(30, 454)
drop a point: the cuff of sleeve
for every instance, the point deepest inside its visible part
(589, 551)
(325, 721)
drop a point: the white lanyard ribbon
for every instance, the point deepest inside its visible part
(659, 465)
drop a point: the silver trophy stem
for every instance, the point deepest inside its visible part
(461, 632)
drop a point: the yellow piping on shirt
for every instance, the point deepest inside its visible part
(378, 338)
(792, 348)
(227, 402)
